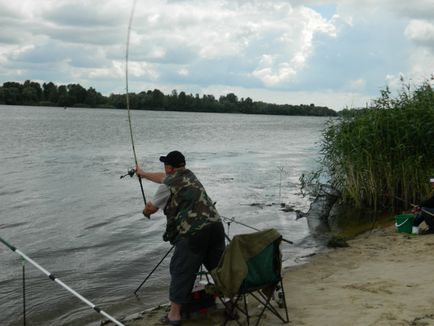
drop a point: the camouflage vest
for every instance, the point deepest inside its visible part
(189, 208)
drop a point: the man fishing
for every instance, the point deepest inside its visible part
(425, 212)
(193, 226)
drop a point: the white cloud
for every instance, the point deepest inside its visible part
(422, 64)
(20, 50)
(143, 69)
(421, 31)
(157, 53)
(272, 74)
(183, 71)
(423, 9)
(274, 29)
(357, 84)
(394, 82)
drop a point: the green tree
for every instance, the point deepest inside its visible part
(36, 90)
(232, 98)
(76, 94)
(2, 96)
(93, 98)
(172, 101)
(182, 100)
(158, 98)
(29, 95)
(12, 95)
(63, 96)
(50, 93)
(117, 101)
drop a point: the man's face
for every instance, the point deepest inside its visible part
(169, 169)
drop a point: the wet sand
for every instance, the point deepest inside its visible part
(382, 278)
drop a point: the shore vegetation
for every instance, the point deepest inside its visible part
(381, 157)
(75, 95)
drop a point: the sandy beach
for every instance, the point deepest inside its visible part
(382, 278)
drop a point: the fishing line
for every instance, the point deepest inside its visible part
(58, 281)
(232, 219)
(128, 97)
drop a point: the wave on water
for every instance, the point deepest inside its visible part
(12, 225)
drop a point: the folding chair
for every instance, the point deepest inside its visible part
(251, 266)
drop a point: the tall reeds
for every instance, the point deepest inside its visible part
(382, 156)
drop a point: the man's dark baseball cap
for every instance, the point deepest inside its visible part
(175, 159)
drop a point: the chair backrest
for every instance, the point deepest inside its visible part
(250, 259)
(251, 266)
(264, 268)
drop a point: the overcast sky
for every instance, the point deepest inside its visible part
(333, 53)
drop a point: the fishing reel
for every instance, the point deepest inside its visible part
(130, 172)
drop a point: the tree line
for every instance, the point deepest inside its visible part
(75, 95)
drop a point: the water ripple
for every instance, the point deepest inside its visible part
(12, 225)
(11, 192)
(109, 221)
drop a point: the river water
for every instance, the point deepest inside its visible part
(64, 205)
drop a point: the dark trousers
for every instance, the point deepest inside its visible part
(204, 247)
(423, 216)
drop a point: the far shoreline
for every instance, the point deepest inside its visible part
(163, 110)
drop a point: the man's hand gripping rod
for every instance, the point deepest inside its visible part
(131, 173)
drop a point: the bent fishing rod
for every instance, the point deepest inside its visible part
(58, 281)
(131, 172)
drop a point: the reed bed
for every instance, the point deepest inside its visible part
(382, 156)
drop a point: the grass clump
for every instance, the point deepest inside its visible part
(383, 155)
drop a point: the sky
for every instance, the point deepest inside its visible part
(338, 54)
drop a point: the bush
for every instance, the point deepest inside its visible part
(382, 156)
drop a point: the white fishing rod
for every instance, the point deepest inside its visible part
(58, 281)
(131, 172)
